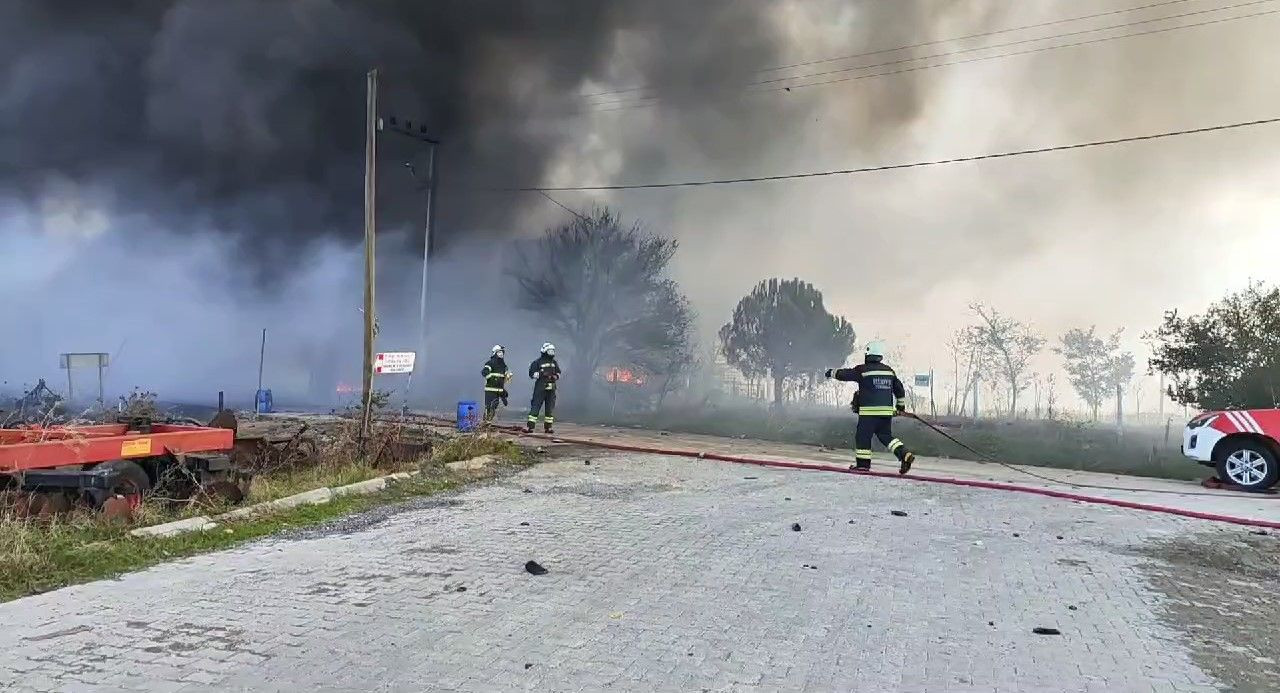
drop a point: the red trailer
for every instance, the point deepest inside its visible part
(108, 466)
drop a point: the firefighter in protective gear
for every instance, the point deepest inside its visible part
(545, 372)
(879, 398)
(496, 375)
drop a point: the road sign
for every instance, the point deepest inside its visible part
(389, 362)
(923, 379)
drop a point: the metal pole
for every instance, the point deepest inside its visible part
(975, 399)
(262, 355)
(933, 409)
(1160, 402)
(68, 381)
(370, 187)
(101, 398)
(426, 256)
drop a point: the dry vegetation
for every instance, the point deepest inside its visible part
(37, 554)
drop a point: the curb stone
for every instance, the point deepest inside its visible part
(317, 496)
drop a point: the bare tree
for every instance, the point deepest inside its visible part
(1009, 345)
(964, 346)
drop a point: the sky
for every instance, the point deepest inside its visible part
(177, 181)
(1109, 237)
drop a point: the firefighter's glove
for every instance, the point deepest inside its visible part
(830, 372)
(504, 399)
(902, 411)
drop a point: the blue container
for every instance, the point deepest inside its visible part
(468, 416)
(262, 402)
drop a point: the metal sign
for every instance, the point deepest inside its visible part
(391, 362)
(83, 360)
(923, 379)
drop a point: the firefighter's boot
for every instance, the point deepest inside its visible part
(905, 456)
(546, 426)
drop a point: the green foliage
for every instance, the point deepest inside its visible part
(1008, 345)
(1228, 357)
(1096, 367)
(465, 447)
(782, 329)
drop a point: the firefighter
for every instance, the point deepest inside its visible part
(496, 376)
(544, 371)
(879, 398)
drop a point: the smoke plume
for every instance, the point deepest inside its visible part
(180, 174)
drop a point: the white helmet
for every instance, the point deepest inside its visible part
(875, 348)
(549, 349)
(497, 350)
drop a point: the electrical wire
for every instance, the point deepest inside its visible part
(561, 206)
(923, 44)
(649, 101)
(894, 167)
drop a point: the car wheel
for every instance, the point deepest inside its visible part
(1248, 464)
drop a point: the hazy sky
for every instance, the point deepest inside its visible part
(221, 171)
(1110, 236)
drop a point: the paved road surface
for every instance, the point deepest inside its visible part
(665, 574)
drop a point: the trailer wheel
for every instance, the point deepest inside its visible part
(1247, 464)
(127, 494)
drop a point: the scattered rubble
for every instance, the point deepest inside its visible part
(898, 513)
(795, 526)
(1042, 630)
(535, 568)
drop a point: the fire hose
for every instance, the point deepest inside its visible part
(950, 481)
(984, 458)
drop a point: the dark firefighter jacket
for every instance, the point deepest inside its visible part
(495, 374)
(546, 370)
(880, 392)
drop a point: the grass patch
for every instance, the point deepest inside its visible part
(1058, 444)
(465, 447)
(38, 556)
(267, 487)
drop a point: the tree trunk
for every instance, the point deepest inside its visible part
(777, 389)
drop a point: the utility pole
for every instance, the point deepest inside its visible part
(370, 221)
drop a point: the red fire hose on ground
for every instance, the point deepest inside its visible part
(970, 483)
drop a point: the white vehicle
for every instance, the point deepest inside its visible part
(1242, 445)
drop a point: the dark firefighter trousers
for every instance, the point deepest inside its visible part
(543, 398)
(491, 400)
(880, 427)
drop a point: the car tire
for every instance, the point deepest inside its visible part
(1248, 464)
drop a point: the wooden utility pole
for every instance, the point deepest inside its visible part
(370, 227)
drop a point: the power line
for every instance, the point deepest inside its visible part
(923, 44)
(894, 167)
(648, 101)
(557, 203)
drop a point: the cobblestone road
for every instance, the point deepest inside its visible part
(664, 575)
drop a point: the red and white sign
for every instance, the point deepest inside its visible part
(390, 362)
